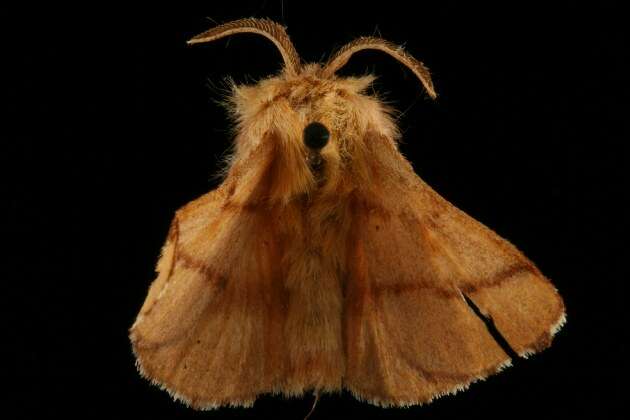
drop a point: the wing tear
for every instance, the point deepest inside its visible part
(492, 329)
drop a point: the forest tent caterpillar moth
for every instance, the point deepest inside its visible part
(323, 262)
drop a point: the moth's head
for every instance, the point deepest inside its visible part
(307, 131)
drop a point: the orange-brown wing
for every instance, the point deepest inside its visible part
(210, 329)
(410, 335)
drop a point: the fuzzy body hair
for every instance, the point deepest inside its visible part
(270, 118)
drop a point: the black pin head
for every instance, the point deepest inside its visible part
(316, 135)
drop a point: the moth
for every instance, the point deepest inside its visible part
(324, 263)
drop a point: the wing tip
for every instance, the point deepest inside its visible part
(559, 324)
(546, 339)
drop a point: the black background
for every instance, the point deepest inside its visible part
(117, 127)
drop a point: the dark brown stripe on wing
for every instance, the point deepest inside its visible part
(499, 278)
(502, 276)
(399, 288)
(204, 269)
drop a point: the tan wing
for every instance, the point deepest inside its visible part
(210, 329)
(410, 335)
(241, 306)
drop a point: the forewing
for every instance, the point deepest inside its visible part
(210, 331)
(242, 305)
(412, 258)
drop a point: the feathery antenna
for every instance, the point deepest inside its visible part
(342, 56)
(265, 27)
